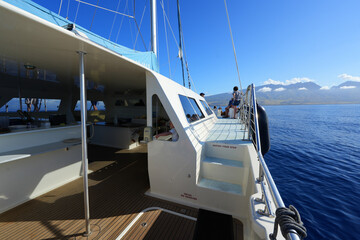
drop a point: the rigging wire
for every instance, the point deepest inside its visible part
(182, 49)
(170, 26)
(77, 10)
(177, 44)
(185, 59)
(126, 5)
(67, 11)
(232, 40)
(134, 8)
(175, 58)
(127, 10)
(139, 27)
(193, 83)
(92, 21)
(186, 65)
(112, 26)
(187, 71)
(149, 45)
(106, 9)
(166, 39)
(132, 37)
(60, 7)
(175, 68)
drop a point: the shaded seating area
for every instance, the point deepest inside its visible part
(116, 190)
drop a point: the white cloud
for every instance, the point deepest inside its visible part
(347, 87)
(288, 82)
(279, 89)
(345, 76)
(298, 80)
(302, 88)
(325, 88)
(265, 89)
(270, 81)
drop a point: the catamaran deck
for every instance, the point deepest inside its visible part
(117, 188)
(229, 131)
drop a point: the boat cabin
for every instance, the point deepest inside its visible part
(63, 90)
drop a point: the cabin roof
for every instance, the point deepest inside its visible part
(28, 39)
(147, 59)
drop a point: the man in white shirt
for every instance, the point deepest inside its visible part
(167, 135)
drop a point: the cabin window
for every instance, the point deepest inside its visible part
(164, 130)
(191, 109)
(207, 108)
(31, 105)
(26, 113)
(91, 105)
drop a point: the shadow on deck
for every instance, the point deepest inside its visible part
(116, 192)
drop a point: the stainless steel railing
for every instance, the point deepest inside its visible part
(249, 118)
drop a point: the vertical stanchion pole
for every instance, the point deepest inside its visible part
(256, 130)
(19, 86)
(249, 114)
(84, 144)
(153, 14)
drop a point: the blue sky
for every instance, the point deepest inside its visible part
(278, 40)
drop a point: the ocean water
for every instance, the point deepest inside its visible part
(315, 162)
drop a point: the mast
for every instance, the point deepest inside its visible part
(180, 39)
(153, 27)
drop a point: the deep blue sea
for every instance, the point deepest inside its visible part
(315, 162)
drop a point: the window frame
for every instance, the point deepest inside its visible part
(193, 108)
(206, 107)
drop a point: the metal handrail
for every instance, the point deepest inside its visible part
(251, 119)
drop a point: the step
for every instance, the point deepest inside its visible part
(224, 162)
(238, 151)
(223, 170)
(220, 186)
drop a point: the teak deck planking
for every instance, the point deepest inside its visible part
(116, 192)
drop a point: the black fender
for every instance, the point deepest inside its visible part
(263, 129)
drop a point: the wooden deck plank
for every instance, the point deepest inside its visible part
(116, 191)
(164, 220)
(116, 228)
(160, 221)
(138, 230)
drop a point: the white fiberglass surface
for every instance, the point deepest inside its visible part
(221, 186)
(229, 130)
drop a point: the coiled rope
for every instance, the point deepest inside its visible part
(290, 221)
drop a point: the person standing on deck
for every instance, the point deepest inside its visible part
(28, 102)
(226, 113)
(93, 105)
(236, 100)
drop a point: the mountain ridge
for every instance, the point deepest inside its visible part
(298, 93)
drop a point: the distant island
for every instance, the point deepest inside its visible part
(298, 93)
